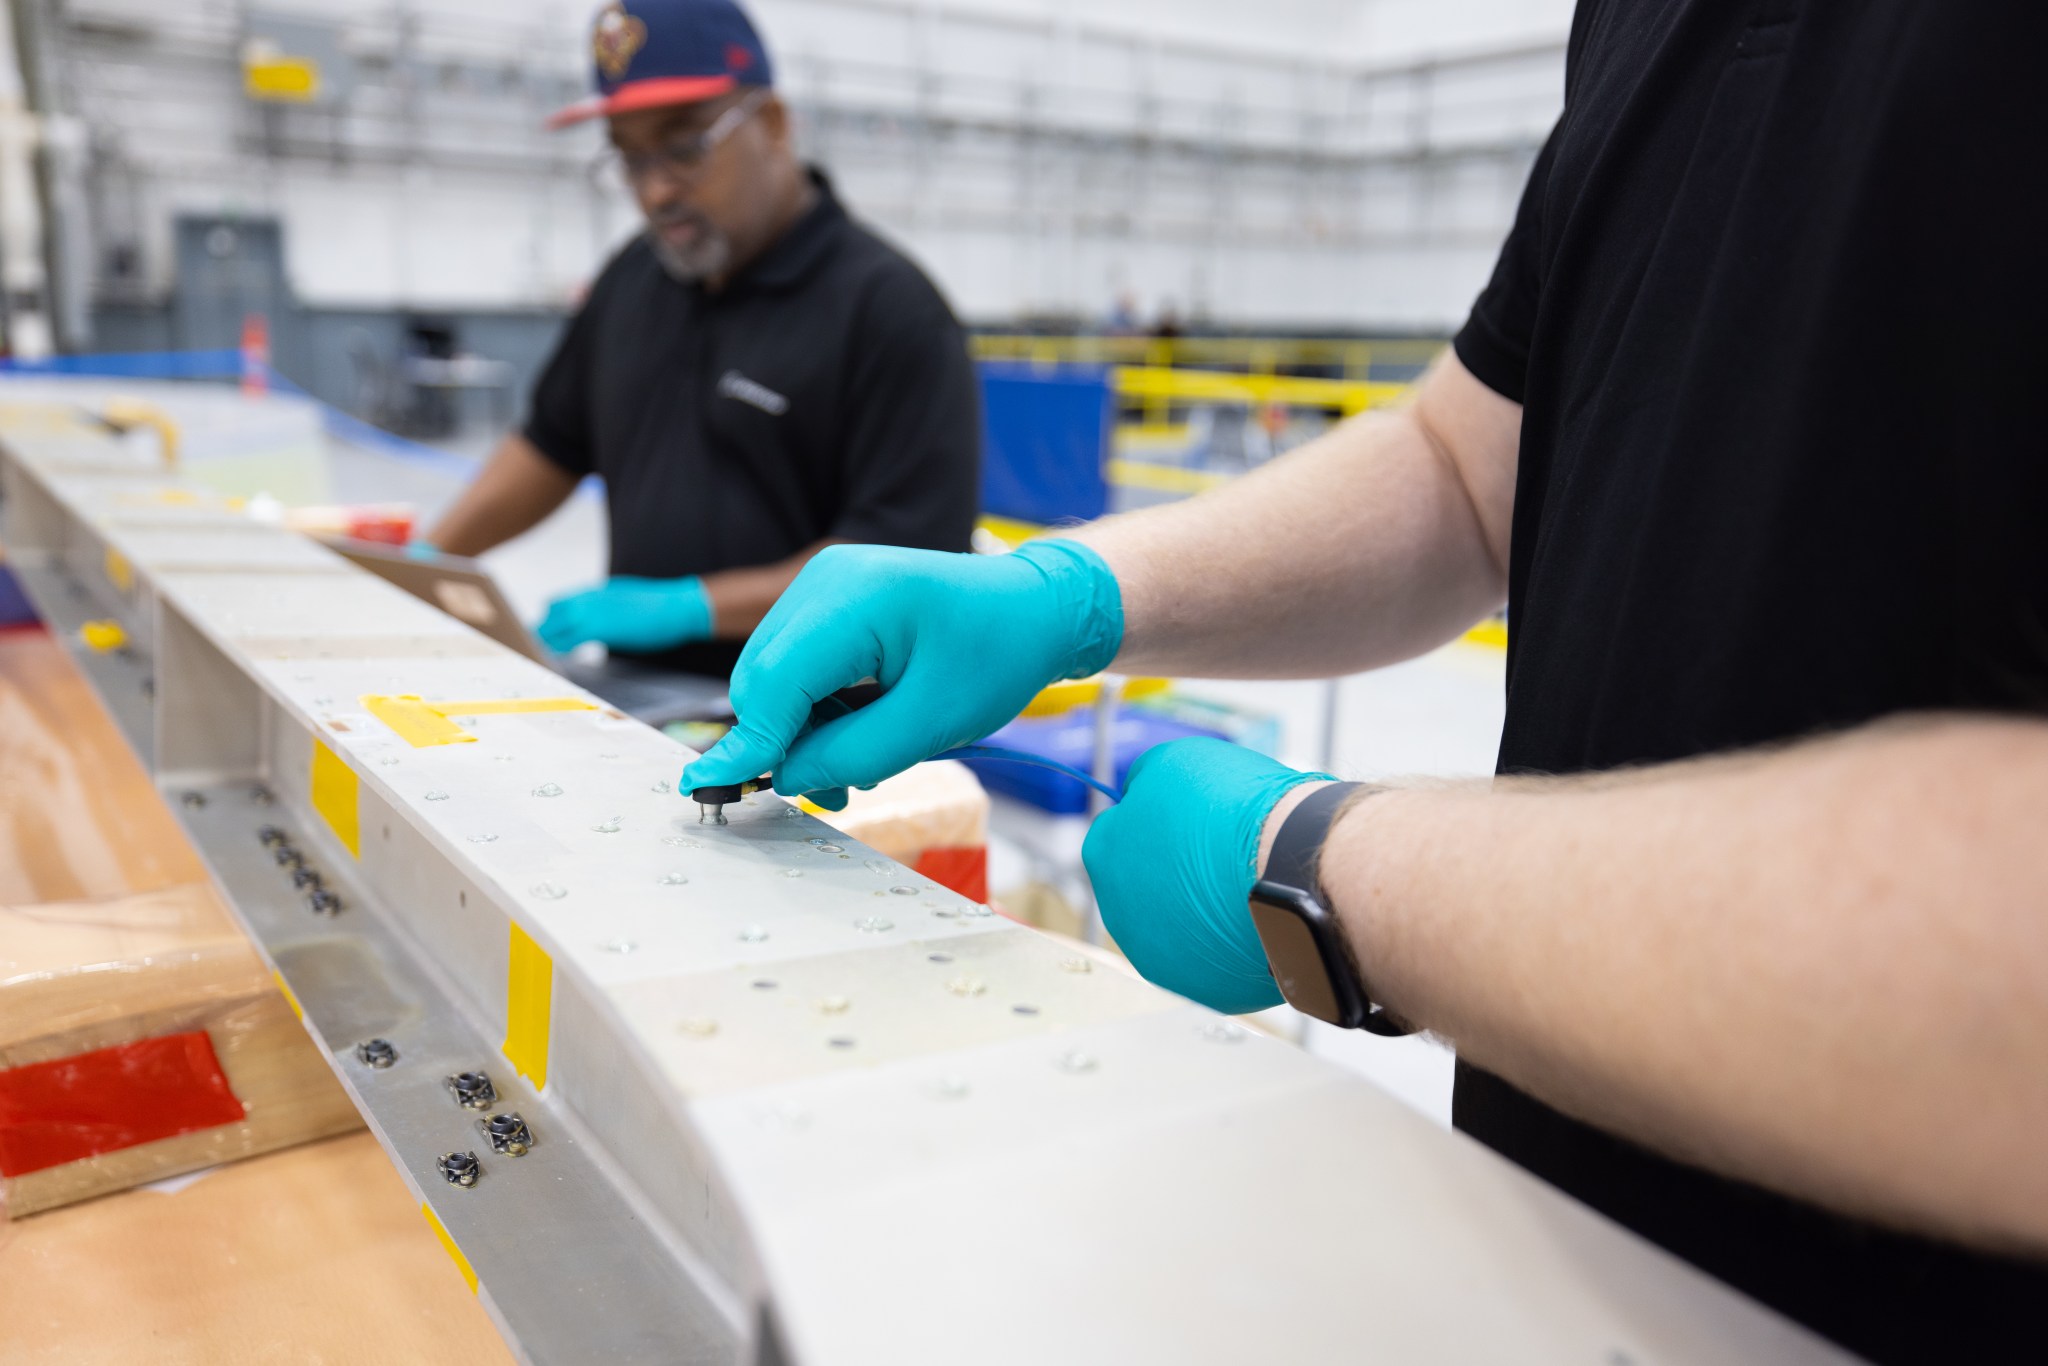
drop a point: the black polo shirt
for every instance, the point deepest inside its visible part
(1773, 305)
(826, 391)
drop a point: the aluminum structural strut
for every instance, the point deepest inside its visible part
(673, 1092)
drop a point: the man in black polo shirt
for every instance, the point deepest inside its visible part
(1750, 429)
(754, 378)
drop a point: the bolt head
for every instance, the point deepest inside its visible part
(378, 1053)
(460, 1169)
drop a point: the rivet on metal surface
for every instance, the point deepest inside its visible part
(939, 957)
(549, 891)
(765, 984)
(437, 796)
(874, 924)
(260, 795)
(840, 1041)
(697, 1026)
(967, 986)
(194, 800)
(608, 826)
(1075, 1060)
(472, 1090)
(548, 790)
(507, 1133)
(287, 857)
(1074, 962)
(900, 890)
(835, 1005)
(324, 902)
(272, 836)
(483, 839)
(305, 879)
(1022, 1008)
(377, 1053)
(460, 1169)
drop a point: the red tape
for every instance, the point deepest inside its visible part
(73, 1108)
(958, 867)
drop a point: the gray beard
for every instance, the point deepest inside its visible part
(703, 261)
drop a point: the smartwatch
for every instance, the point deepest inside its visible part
(1304, 943)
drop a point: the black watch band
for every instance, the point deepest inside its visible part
(1305, 946)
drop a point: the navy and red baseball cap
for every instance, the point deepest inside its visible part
(651, 53)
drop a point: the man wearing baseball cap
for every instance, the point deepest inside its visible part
(755, 377)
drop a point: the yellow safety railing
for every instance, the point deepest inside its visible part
(1353, 357)
(1157, 385)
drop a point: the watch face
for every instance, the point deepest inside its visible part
(1296, 961)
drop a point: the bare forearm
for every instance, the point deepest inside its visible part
(741, 597)
(1379, 541)
(1824, 969)
(514, 492)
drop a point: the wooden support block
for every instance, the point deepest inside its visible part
(137, 948)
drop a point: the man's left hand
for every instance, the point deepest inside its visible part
(635, 614)
(1173, 866)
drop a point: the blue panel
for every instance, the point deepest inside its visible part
(1046, 436)
(1069, 738)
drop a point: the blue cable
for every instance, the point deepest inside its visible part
(1018, 756)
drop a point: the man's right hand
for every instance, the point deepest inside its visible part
(959, 643)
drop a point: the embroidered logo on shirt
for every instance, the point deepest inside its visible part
(733, 384)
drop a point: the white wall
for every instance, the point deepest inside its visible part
(1300, 162)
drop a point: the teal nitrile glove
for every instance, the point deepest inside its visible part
(1173, 866)
(959, 643)
(638, 615)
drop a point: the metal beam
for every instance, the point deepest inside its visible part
(788, 1101)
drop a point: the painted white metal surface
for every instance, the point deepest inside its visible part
(843, 1100)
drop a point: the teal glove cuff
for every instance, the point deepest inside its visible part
(1087, 596)
(637, 615)
(1173, 866)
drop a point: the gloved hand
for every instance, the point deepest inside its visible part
(959, 643)
(627, 613)
(1173, 866)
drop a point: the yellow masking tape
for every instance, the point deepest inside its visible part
(529, 1007)
(448, 1245)
(335, 790)
(422, 724)
(290, 998)
(119, 572)
(102, 636)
